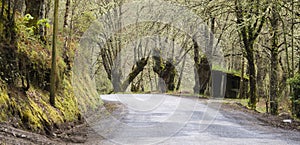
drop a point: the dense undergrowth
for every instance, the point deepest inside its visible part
(25, 67)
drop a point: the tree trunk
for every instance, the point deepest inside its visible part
(274, 61)
(66, 56)
(150, 80)
(116, 79)
(53, 67)
(66, 17)
(19, 6)
(7, 21)
(165, 70)
(274, 84)
(242, 90)
(292, 37)
(202, 70)
(181, 74)
(253, 98)
(249, 34)
(196, 68)
(135, 72)
(2, 10)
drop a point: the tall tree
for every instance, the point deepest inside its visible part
(250, 19)
(7, 21)
(67, 32)
(202, 70)
(274, 21)
(53, 67)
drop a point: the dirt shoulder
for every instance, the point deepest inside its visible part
(240, 112)
(79, 134)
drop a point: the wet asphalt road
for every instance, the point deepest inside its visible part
(165, 119)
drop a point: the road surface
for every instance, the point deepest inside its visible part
(165, 119)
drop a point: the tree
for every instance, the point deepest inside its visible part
(250, 20)
(67, 33)
(53, 66)
(165, 69)
(202, 70)
(274, 22)
(7, 21)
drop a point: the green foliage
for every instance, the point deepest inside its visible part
(104, 85)
(3, 100)
(27, 18)
(44, 23)
(83, 22)
(26, 31)
(295, 81)
(295, 84)
(22, 26)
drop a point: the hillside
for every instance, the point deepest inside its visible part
(25, 66)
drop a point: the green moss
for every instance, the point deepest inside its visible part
(68, 107)
(31, 108)
(3, 101)
(54, 115)
(233, 72)
(261, 109)
(85, 91)
(30, 113)
(35, 112)
(30, 117)
(67, 102)
(3, 97)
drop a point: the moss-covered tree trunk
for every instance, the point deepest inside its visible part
(249, 31)
(137, 69)
(296, 102)
(67, 34)
(241, 91)
(202, 75)
(181, 74)
(53, 67)
(295, 85)
(274, 19)
(116, 80)
(165, 70)
(253, 96)
(202, 70)
(7, 21)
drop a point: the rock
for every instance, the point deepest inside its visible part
(287, 121)
(285, 115)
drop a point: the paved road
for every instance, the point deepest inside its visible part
(165, 119)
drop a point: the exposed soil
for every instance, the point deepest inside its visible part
(267, 119)
(79, 134)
